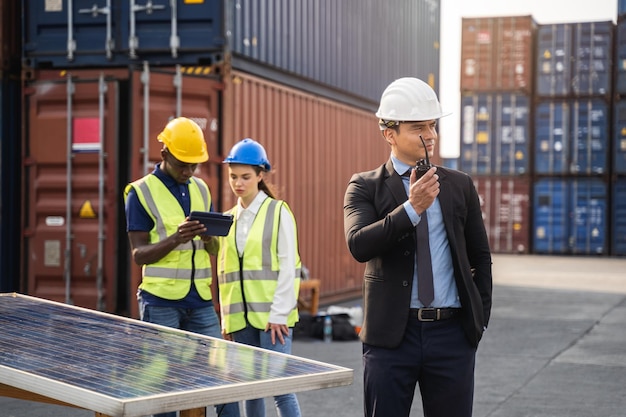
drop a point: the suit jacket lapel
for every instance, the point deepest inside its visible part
(394, 182)
(445, 201)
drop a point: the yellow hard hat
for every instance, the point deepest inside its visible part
(185, 140)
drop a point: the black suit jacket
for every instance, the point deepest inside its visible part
(379, 232)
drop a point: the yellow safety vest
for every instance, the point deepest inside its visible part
(170, 277)
(247, 288)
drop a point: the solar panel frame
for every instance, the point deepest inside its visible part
(124, 367)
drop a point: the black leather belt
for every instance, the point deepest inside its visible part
(434, 314)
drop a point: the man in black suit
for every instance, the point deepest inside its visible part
(424, 313)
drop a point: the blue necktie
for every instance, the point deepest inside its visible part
(425, 288)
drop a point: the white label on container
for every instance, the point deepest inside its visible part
(53, 6)
(55, 221)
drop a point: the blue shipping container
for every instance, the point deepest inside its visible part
(101, 33)
(327, 47)
(572, 136)
(589, 216)
(552, 128)
(620, 56)
(554, 45)
(495, 133)
(357, 46)
(570, 216)
(574, 59)
(589, 136)
(476, 133)
(621, 9)
(619, 137)
(618, 217)
(550, 216)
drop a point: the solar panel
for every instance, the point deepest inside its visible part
(124, 367)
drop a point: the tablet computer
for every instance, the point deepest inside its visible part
(217, 224)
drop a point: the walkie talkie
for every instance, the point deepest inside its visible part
(422, 165)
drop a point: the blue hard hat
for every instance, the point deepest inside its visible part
(248, 152)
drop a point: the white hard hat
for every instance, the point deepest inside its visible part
(409, 99)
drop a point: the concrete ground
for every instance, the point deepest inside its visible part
(555, 347)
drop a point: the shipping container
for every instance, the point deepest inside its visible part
(341, 50)
(550, 216)
(589, 136)
(570, 216)
(619, 137)
(589, 216)
(495, 133)
(572, 137)
(497, 54)
(345, 45)
(574, 59)
(314, 146)
(505, 206)
(618, 217)
(82, 148)
(620, 57)
(552, 137)
(67, 33)
(10, 182)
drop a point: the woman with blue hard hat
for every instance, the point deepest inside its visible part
(259, 266)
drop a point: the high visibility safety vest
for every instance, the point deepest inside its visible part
(247, 288)
(170, 277)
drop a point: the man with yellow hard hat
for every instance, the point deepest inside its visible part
(175, 289)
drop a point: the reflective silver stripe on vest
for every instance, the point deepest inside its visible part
(204, 191)
(157, 271)
(160, 226)
(252, 307)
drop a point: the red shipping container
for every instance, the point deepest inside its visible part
(82, 149)
(497, 54)
(314, 145)
(504, 202)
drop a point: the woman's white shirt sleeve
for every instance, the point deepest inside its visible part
(285, 297)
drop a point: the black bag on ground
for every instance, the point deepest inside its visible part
(304, 327)
(342, 328)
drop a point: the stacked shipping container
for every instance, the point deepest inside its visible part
(496, 88)
(102, 82)
(618, 177)
(572, 120)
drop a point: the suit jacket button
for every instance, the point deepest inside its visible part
(405, 283)
(407, 253)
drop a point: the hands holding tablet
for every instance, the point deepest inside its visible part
(205, 224)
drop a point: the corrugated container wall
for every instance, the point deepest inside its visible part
(572, 136)
(571, 216)
(314, 146)
(356, 46)
(82, 148)
(105, 33)
(620, 57)
(495, 133)
(497, 54)
(618, 217)
(505, 207)
(574, 59)
(621, 8)
(619, 137)
(344, 50)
